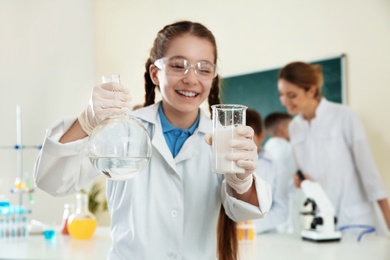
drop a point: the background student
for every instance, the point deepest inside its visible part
(272, 172)
(331, 147)
(172, 207)
(279, 147)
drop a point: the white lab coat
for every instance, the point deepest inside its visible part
(272, 173)
(280, 151)
(333, 149)
(168, 211)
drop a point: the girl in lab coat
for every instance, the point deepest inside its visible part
(171, 209)
(330, 147)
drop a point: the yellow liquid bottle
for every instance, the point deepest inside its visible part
(82, 223)
(246, 231)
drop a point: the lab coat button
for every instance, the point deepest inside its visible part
(174, 213)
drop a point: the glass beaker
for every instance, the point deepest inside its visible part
(49, 231)
(119, 147)
(226, 118)
(82, 223)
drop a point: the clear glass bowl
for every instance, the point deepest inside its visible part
(119, 147)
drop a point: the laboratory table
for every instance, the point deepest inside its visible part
(60, 247)
(268, 246)
(284, 246)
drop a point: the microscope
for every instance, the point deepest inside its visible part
(323, 225)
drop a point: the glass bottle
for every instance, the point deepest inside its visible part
(246, 231)
(68, 209)
(82, 223)
(119, 147)
(4, 202)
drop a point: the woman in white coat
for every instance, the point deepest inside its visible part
(330, 147)
(171, 209)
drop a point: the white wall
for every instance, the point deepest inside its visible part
(47, 66)
(52, 48)
(254, 35)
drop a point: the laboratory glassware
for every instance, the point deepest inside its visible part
(49, 231)
(226, 118)
(119, 147)
(68, 210)
(82, 223)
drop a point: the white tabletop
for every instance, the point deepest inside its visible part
(268, 246)
(59, 247)
(283, 246)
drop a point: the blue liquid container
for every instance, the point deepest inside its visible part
(4, 207)
(49, 234)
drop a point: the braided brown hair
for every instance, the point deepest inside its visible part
(227, 244)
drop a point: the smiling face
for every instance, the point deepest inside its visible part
(296, 99)
(182, 95)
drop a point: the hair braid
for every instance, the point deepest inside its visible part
(150, 93)
(214, 93)
(227, 240)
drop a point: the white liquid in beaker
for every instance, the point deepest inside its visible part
(221, 148)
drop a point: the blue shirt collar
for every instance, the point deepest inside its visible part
(167, 126)
(150, 115)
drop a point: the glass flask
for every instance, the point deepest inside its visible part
(68, 209)
(119, 147)
(81, 223)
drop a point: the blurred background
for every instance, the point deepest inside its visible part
(53, 52)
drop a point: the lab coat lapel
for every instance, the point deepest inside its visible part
(158, 141)
(191, 146)
(149, 114)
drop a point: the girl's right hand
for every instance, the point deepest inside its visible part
(107, 99)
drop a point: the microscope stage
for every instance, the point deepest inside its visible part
(315, 236)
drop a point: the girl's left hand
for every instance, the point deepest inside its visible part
(245, 154)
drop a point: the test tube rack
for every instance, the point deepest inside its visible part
(13, 218)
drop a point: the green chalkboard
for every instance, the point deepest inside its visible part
(259, 90)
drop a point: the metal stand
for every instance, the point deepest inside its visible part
(20, 187)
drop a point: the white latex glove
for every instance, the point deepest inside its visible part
(107, 99)
(245, 156)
